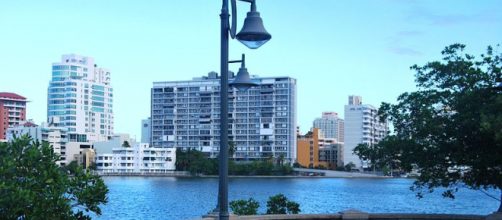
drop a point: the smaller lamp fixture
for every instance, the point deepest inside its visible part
(242, 81)
(253, 33)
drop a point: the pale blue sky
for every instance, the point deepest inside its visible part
(333, 48)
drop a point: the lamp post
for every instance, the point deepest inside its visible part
(253, 35)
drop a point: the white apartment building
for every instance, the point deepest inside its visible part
(362, 125)
(262, 120)
(80, 96)
(116, 141)
(331, 126)
(140, 158)
(55, 136)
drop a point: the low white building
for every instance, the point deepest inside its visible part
(56, 136)
(140, 158)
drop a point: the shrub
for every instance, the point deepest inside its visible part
(244, 207)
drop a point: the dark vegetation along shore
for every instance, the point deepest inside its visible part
(196, 163)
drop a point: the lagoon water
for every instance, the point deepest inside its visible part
(190, 198)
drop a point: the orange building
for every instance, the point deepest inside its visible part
(315, 151)
(308, 149)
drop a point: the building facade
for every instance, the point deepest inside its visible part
(139, 158)
(315, 150)
(55, 136)
(80, 96)
(362, 126)
(116, 141)
(262, 120)
(308, 149)
(12, 111)
(146, 130)
(331, 125)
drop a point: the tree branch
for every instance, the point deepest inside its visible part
(487, 194)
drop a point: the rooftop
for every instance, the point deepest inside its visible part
(9, 95)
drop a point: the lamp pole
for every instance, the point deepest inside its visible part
(253, 35)
(223, 154)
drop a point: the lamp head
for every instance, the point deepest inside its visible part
(242, 81)
(253, 33)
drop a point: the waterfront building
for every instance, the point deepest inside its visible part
(139, 158)
(331, 125)
(308, 149)
(262, 120)
(362, 125)
(116, 141)
(85, 157)
(12, 111)
(80, 96)
(315, 150)
(146, 130)
(55, 136)
(330, 155)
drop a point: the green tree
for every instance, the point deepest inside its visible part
(279, 204)
(126, 144)
(245, 207)
(348, 167)
(33, 186)
(367, 152)
(450, 129)
(231, 149)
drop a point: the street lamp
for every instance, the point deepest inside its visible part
(242, 81)
(253, 35)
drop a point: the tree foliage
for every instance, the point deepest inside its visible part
(33, 186)
(450, 129)
(279, 204)
(126, 144)
(197, 162)
(348, 167)
(245, 207)
(381, 156)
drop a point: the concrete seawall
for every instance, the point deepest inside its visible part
(357, 215)
(164, 174)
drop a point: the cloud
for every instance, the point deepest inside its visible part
(404, 51)
(409, 33)
(395, 43)
(451, 19)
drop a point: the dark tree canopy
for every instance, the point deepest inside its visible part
(279, 204)
(245, 207)
(450, 129)
(33, 186)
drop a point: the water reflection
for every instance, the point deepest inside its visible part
(189, 198)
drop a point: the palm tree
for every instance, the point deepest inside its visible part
(126, 144)
(231, 149)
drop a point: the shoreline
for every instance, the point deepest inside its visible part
(250, 177)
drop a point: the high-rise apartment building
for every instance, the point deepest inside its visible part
(331, 126)
(362, 125)
(12, 111)
(262, 120)
(80, 95)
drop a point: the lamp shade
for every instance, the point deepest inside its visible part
(253, 33)
(242, 81)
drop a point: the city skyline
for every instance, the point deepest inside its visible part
(320, 45)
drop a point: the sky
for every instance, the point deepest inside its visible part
(334, 48)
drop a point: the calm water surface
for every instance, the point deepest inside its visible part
(190, 198)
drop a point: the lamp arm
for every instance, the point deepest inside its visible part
(233, 26)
